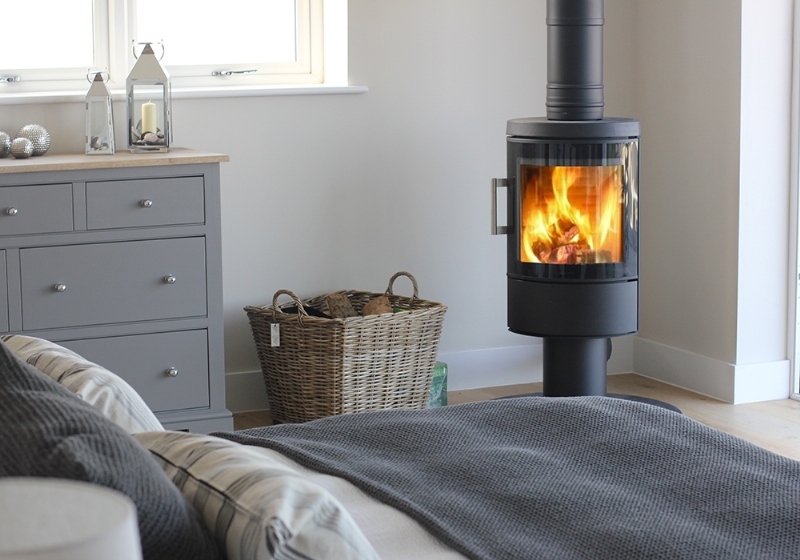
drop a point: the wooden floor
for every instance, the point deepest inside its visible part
(774, 425)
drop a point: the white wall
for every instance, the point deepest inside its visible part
(339, 192)
(764, 181)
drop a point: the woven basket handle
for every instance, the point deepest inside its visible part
(410, 277)
(301, 312)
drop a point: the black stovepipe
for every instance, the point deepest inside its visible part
(575, 60)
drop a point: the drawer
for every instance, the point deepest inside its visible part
(3, 293)
(100, 283)
(36, 209)
(144, 362)
(145, 203)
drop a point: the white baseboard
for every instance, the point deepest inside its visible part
(768, 381)
(245, 391)
(471, 369)
(490, 367)
(727, 382)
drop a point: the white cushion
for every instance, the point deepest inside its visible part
(105, 391)
(257, 507)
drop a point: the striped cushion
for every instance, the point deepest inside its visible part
(256, 507)
(47, 432)
(105, 391)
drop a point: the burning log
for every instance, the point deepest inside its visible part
(565, 254)
(562, 232)
(570, 253)
(564, 243)
(542, 251)
(569, 235)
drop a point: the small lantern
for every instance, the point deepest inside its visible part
(99, 117)
(149, 101)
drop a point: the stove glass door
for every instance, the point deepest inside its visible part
(571, 214)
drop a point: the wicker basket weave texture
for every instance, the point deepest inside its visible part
(324, 367)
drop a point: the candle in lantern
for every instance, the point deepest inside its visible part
(149, 119)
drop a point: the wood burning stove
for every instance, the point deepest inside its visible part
(573, 211)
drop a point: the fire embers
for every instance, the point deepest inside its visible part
(568, 247)
(571, 215)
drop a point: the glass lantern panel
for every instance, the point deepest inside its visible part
(148, 114)
(266, 29)
(99, 129)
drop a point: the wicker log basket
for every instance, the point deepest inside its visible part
(323, 367)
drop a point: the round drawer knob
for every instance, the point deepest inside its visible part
(61, 287)
(172, 372)
(169, 279)
(12, 211)
(146, 203)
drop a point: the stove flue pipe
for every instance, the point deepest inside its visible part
(575, 60)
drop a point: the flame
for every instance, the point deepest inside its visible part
(571, 215)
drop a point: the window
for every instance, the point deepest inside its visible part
(55, 51)
(73, 41)
(251, 43)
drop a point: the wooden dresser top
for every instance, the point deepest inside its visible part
(69, 162)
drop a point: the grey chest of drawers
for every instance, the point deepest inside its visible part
(119, 259)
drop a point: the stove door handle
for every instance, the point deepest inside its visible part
(497, 230)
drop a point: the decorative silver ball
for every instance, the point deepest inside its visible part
(21, 148)
(5, 145)
(38, 136)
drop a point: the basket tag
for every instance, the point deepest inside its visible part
(275, 334)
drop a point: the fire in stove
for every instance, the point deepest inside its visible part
(571, 215)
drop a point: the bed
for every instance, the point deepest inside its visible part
(528, 477)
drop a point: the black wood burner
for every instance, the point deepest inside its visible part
(573, 211)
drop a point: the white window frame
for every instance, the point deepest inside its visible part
(321, 66)
(308, 69)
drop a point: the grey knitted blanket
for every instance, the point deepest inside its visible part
(587, 477)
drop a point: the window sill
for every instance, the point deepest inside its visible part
(187, 93)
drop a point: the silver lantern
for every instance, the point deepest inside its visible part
(99, 117)
(149, 102)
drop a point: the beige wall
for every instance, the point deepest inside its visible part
(688, 77)
(713, 93)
